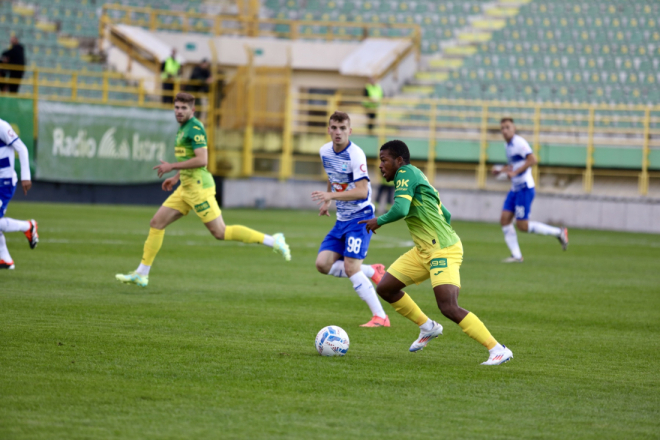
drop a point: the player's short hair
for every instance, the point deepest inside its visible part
(397, 148)
(185, 98)
(506, 119)
(340, 117)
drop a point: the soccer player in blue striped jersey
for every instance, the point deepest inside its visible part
(345, 247)
(518, 202)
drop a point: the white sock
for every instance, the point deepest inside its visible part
(543, 229)
(4, 252)
(269, 240)
(337, 270)
(11, 225)
(511, 240)
(367, 293)
(427, 326)
(143, 269)
(495, 349)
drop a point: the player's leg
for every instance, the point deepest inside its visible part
(207, 209)
(446, 282)
(165, 216)
(525, 225)
(406, 270)
(510, 236)
(365, 291)
(6, 261)
(244, 234)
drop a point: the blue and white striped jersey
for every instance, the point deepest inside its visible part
(516, 152)
(344, 169)
(10, 144)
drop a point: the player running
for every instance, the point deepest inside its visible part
(519, 200)
(197, 191)
(10, 144)
(438, 254)
(345, 247)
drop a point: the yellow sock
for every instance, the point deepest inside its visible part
(152, 245)
(244, 234)
(474, 328)
(408, 308)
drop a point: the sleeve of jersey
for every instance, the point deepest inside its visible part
(398, 211)
(22, 151)
(359, 165)
(7, 134)
(197, 137)
(524, 149)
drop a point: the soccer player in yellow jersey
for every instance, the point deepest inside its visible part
(196, 192)
(438, 254)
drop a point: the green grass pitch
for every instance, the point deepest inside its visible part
(221, 343)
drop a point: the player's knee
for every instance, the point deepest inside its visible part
(522, 226)
(218, 232)
(322, 267)
(155, 223)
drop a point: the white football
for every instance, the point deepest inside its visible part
(332, 341)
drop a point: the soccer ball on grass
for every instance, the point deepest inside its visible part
(332, 341)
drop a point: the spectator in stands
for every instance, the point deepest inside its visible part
(374, 92)
(170, 71)
(14, 56)
(201, 73)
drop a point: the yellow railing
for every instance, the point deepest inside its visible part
(445, 130)
(261, 128)
(249, 25)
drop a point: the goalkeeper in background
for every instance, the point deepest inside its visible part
(196, 192)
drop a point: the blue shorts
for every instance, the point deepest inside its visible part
(7, 190)
(519, 202)
(348, 239)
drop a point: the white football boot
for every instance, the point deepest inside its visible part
(499, 355)
(280, 246)
(425, 337)
(512, 260)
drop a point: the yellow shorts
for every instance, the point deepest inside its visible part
(442, 266)
(202, 201)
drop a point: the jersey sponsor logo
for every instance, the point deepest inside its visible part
(179, 151)
(339, 187)
(202, 207)
(363, 168)
(199, 138)
(402, 183)
(438, 262)
(344, 167)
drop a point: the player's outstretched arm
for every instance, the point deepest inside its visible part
(399, 210)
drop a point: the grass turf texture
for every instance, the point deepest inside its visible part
(220, 345)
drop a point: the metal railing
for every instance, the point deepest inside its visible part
(109, 88)
(249, 25)
(261, 128)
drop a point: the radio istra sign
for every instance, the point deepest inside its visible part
(103, 144)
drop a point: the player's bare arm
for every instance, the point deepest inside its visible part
(200, 160)
(530, 161)
(168, 184)
(360, 192)
(26, 184)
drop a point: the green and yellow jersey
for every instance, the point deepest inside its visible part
(190, 137)
(428, 221)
